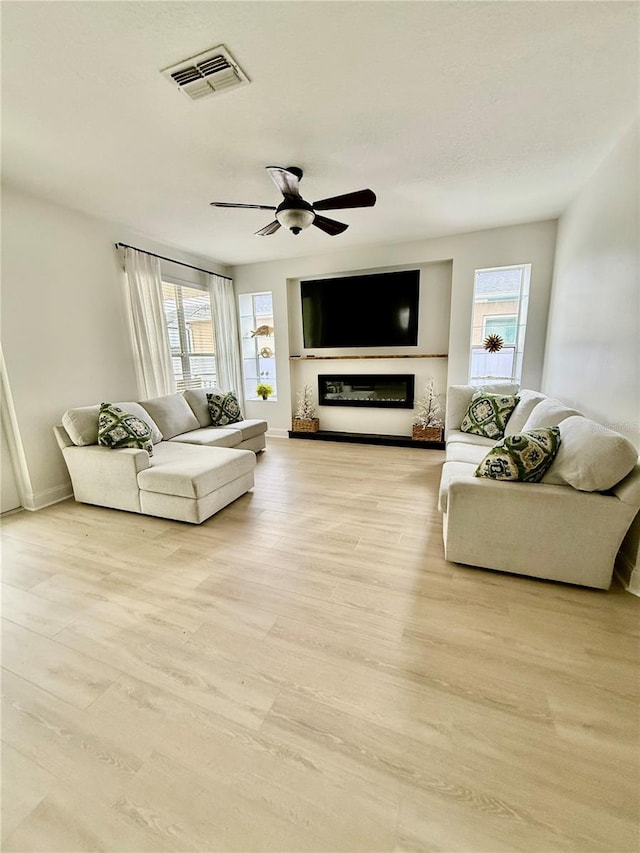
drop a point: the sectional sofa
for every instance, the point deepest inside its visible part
(569, 526)
(195, 470)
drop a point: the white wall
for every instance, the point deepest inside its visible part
(533, 243)
(592, 358)
(64, 328)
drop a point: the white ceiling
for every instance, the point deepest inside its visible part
(459, 115)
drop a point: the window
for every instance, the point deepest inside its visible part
(505, 326)
(258, 343)
(500, 303)
(187, 310)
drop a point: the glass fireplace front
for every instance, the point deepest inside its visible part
(379, 390)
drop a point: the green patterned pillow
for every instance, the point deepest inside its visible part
(522, 458)
(488, 414)
(224, 408)
(117, 428)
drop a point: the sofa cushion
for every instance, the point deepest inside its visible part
(197, 400)
(211, 437)
(118, 428)
(450, 470)
(527, 403)
(460, 451)
(172, 413)
(193, 472)
(251, 427)
(591, 458)
(81, 423)
(488, 414)
(548, 413)
(457, 436)
(224, 408)
(522, 458)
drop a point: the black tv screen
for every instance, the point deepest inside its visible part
(379, 310)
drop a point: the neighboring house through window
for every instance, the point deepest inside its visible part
(187, 310)
(505, 325)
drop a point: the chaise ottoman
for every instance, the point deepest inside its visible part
(190, 483)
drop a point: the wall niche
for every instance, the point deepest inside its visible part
(427, 359)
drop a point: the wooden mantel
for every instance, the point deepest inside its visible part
(349, 357)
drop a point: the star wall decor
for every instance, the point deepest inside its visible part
(493, 343)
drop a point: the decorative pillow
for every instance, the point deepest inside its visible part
(117, 428)
(224, 408)
(522, 458)
(592, 458)
(81, 424)
(458, 397)
(488, 414)
(197, 400)
(528, 401)
(548, 413)
(172, 413)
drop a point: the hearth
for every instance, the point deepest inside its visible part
(379, 390)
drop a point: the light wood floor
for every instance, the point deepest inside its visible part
(305, 672)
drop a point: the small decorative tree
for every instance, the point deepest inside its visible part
(304, 418)
(428, 424)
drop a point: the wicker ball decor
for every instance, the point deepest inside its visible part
(493, 343)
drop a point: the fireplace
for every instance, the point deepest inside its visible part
(379, 390)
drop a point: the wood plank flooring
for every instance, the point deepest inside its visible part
(305, 672)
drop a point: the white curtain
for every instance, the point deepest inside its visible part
(225, 321)
(152, 354)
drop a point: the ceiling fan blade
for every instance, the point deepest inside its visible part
(287, 180)
(232, 204)
(271, 228)
(361, 198)
(329, 226)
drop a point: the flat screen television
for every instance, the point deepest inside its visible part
(378, 310)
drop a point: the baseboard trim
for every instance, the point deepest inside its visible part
(634, 583)
(12, 512)
(277, 433)
(367, 438)
(627, 574)
(40, 500)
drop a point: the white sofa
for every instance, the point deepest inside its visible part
(196, 468)
(550, 529)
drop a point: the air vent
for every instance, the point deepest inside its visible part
(207, 74)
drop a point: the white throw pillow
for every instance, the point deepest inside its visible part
(528, 401)
(548, 413)
(81, 424)
(172, 413)
(197, 400)
(591, 457)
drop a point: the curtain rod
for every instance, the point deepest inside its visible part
(171, 260)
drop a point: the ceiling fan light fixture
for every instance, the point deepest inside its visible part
(295, 213)
(295, 218)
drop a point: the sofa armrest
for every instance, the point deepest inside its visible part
(106, 477)
(62, 437)
(536, 529)
(458, 399)
(628, 490)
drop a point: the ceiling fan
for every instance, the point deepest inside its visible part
(295, 213)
